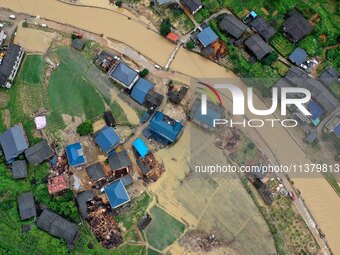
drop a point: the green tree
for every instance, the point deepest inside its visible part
(74, 36)
(269, 59)
(85, 128)
(144, 72)
(190, 44)
(118, 3)
(165, 27)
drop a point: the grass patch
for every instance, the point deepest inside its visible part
(135, 212)
(70, 93)
(153, 252)
(32, 70)
(282, 45)
(280, 67)
(335, 89)
(163, 230)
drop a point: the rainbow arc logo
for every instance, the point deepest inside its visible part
(213, 95)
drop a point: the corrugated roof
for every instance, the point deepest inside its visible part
(298, 56)
(26, 206)
(107, 139)
(165, 126)
(57, 184)
(232, 26)
(95, 171)
(75, 154)
(263, 28)
(140, 90)
(13, 142)
(141, 147)
(19, 169)
(119, 160)
(124, 74)
(207, 36)
(82, 198)
(8, 62)
(192, 5)
(296, 26)
(258, 46)
(127, 180)
(172, 37)
(38, 152)
(315, 110)
(117, 194)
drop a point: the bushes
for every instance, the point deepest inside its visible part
(165, 27)
(269, 59)
(190, 44)
(144, 72)
(118, 3)
(85, 128)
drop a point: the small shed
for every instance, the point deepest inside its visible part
(39, 152)
(75, 154)
(78, 44)
(82, 199)
(109, 119)
(26, 206)
(144, 168)
(329, 76)
(207, 36)
(116, 193)
(19, 169)
(127, 180)
(57, 184)
(95, 172)
(13, 143)
(172, 37)
(153, 99)
(298, 56)
(107, 139)
(140, 90)
(141, 147)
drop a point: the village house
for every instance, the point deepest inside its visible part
(163, 129)
(162, 2)
(105, 60)
(207, 36)
(177, 93)
(172, 37)
(262, 27)
(19, 169)
(82, 199)
(140, 147)
(296, 26)
(26, 206)
(107, 139)
(232, 26)
(153, 99)
(127, 180)
(78, 44)
(75, 154)
(258, 46)
(298, 56)
(57, 226)
(120, 160)
(140, 90)
(13, 143)
(124, 75)
(57, 185)
(10, 65)
(116, 193)
(95, 172)
(192, 6)
(38, 153)
(329, 76)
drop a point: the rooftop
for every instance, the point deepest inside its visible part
(337, 130)
(207, 36)
(144, 168)
(140, 90)
(153, 99)
(213, 112)
(233, 26)
(26, 206)
(38, 152)
(265, 30)
(82, 198)
(172, 37)
(296, 26)
(117, 194)
(95, 172)
(8, 62)
(19, 169)
(328, 76)
(119, 160)
(125, 75)
(78, 44)
(315, 109)
(298, 56)
(57, 184)
(75, 154)
(166, 127)
(107, 139)
(258, 46)
(13, 143)
(58, 227)
(127, 180)
(141, 147)
(109, 119)
(192, 5)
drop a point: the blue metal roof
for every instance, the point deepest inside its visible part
(13, 143)
(207, 36)
(298, 56)
(116, 193)
(253, 14)
(141, 147)
(165, 127)
(107, 139)
(213, 112)
(337, 130)
(75, 154)
(125, 74)
(140, 90)
(315, 110)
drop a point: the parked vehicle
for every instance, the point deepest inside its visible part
(12, 16)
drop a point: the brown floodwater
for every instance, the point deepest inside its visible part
(320, 198)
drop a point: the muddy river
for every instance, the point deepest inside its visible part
(320, 198)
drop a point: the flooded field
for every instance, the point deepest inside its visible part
(33, 40)
(320, 198)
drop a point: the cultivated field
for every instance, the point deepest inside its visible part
(163, 230)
